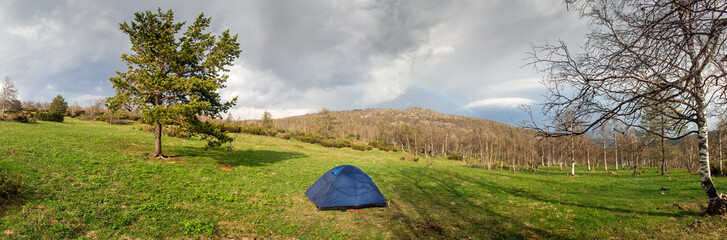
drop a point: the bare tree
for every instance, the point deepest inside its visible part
(641, 53)
(8, 94)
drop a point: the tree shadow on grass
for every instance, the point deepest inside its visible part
(433, 203)
(592, 205)
(429, 204)
(248, 157)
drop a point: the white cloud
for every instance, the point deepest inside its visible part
(244, 113)
(500, 102)
(514, 86)
(84, 99)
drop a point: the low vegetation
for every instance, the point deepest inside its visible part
(95, 180)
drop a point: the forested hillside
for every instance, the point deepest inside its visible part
(490, 144)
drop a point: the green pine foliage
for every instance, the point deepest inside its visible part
(58, 106)
(173, 76)
(49, 116)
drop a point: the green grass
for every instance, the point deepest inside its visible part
(94, 180)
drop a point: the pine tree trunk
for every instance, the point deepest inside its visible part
(158, 140)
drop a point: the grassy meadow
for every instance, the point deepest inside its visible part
(94, 180)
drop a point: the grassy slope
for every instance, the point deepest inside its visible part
(94, 180)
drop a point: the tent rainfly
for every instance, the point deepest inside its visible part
(345, 187)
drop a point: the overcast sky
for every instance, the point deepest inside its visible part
(456, 57)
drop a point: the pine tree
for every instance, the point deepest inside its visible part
(58, 105)
(267, 120)
(173, 80)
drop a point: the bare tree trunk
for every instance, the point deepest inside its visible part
(552, 153)
(588, 158)
(572, 156)
(615, 147)
(717, 205)
(444, 147)
(542, 155)
(636, 165)
(719, 151)
(560, 159)
(489, 157)
(663, 153)
(603, 131)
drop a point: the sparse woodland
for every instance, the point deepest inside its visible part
(494, 145)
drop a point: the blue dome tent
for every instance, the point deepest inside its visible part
(345, 187)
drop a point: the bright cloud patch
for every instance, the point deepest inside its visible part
(500, 102)
(244, 113)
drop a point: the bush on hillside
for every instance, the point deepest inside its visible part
(78, 113)
(49, 116)
(383, 146)
(255, 130)
(22, 118)
(286, 135)
(455, 157)
(308, 138)
(361, 147)
(232, 128)
(335, 142)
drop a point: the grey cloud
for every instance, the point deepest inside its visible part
(300, 54)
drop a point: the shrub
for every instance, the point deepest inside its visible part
(377, 144)
(48, 116)
(308, 138)
(10, 186)
(78, 113)
(231, 128)
(336, 143)
(383, 146)
(255, 130)
(20, 118)
(359, 147)
(454, 157)
(285, 136)
(119, 121)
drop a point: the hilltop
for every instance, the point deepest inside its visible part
(424, 131)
